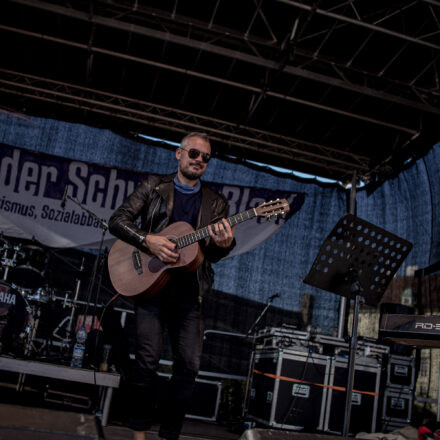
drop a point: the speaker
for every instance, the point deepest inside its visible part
(271, 434)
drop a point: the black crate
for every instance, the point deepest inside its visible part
(288, 389)
(205, 401)
(401, 372)
(365, 397)
(397, 405)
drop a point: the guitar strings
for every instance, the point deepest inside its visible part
(198, 235)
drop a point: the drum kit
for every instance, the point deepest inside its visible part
(24, 293)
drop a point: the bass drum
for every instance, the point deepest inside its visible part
(14, 319)
(30, 269)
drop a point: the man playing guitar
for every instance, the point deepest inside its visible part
(159, 201)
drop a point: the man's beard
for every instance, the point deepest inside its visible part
(190, 175)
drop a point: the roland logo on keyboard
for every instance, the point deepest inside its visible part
(427, 326)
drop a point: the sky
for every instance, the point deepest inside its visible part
(278, 169)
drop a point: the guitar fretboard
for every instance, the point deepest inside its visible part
(202, 233)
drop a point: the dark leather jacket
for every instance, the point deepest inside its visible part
(152, 201)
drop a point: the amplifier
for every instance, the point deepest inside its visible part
(288, 389)
(365, 397)
(283, 338)
(283, 331)
(287, 342)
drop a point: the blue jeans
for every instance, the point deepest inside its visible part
(184, 325)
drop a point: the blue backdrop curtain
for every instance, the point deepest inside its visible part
(407, 206)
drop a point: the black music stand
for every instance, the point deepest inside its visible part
(357, 259)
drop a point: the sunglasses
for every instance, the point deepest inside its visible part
(194, 153)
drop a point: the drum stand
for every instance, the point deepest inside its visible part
(6, 262)
(69, 319)
(31, 331)
(357, 259)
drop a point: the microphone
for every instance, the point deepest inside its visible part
(63, 200)
(271, 298)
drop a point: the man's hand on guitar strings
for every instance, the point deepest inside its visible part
(163, 248)
(222, 233)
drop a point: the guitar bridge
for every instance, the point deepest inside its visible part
(137, 262)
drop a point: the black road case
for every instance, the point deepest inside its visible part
(365, 397)
(289, 389)
(397, 406)
(401, 372)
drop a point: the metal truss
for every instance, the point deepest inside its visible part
(285, 60)
(170, 27)
(233, 138)
(200, 75)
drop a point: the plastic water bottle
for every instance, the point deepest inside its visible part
(79, 348)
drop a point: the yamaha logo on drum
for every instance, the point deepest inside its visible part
(7, 298)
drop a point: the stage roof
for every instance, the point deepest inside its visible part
(326, 87)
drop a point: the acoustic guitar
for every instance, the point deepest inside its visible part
(134, 272)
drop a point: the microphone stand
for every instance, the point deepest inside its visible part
(251, 361)
(98, 259)
(263, 312)
(104, 225)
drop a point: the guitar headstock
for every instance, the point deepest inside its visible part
(273, 208)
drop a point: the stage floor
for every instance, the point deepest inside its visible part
(31, 423)
(192, 430)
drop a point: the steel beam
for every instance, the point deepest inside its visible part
(219, 80)
(147, 114)
(360, 23)
(230, 53)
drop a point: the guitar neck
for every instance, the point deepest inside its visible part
(202, 233)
